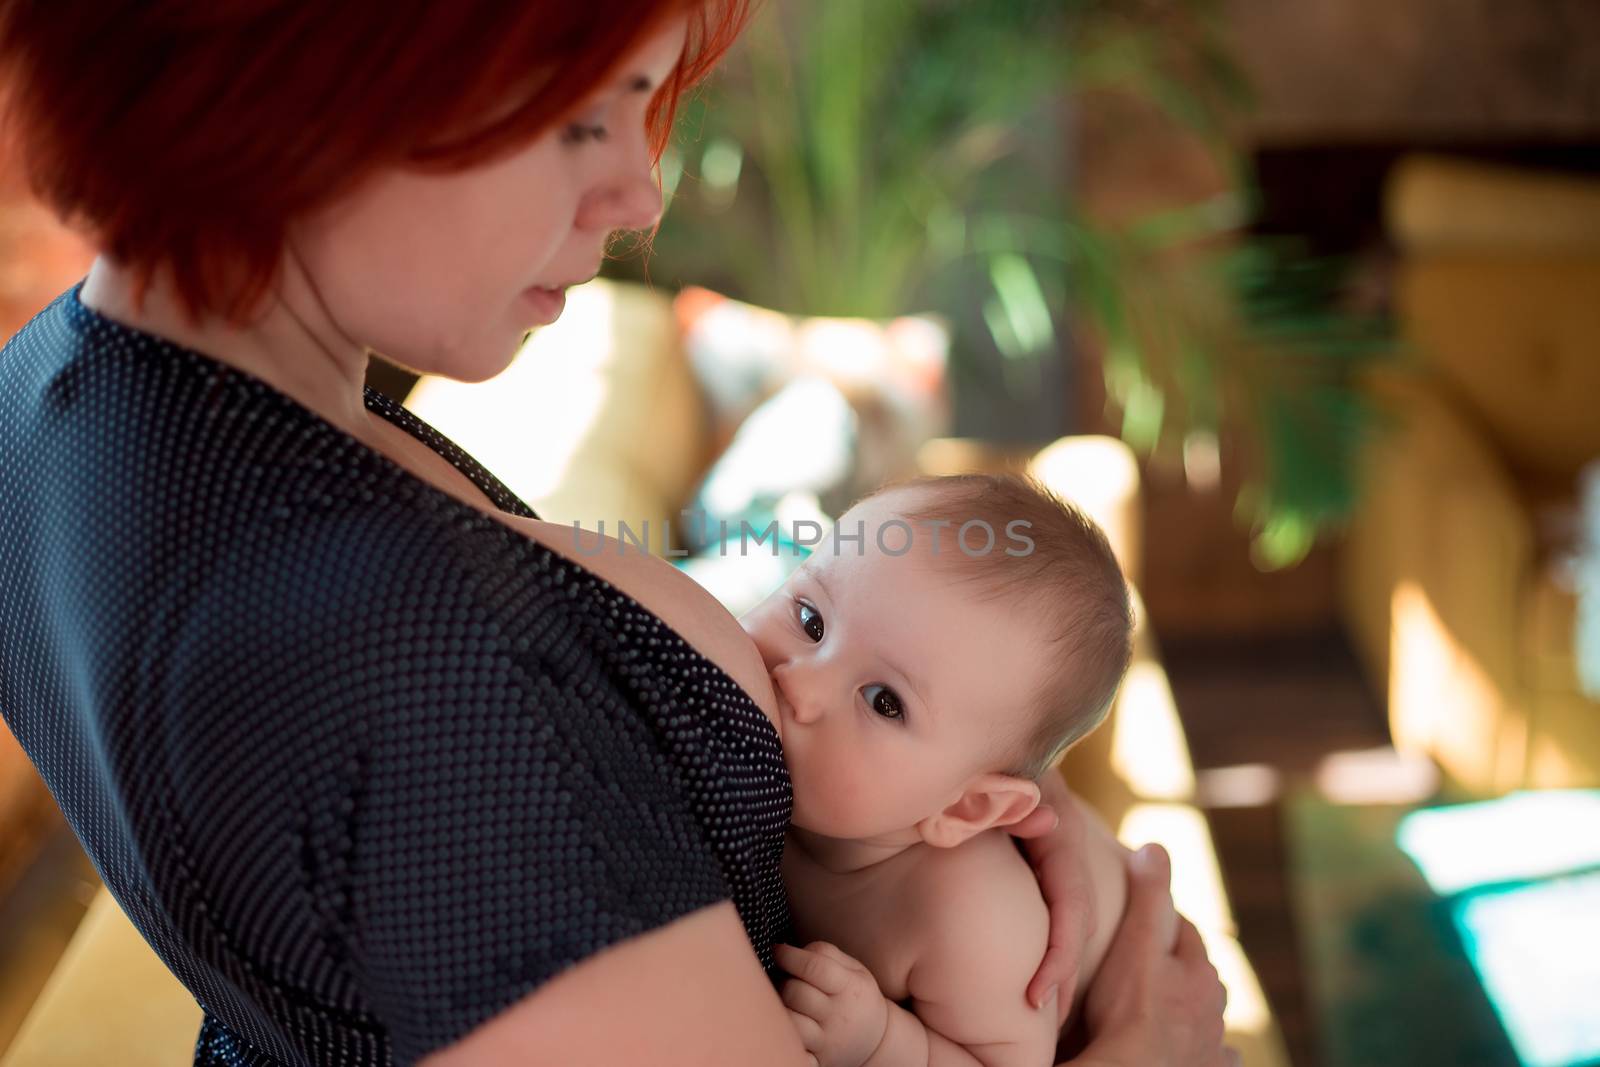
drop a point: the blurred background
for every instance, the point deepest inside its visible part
(1302, 301)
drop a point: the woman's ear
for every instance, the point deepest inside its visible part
(990, 800)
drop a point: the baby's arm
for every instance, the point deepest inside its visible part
(980, 927)
(846, 1021)
(989, 928)
(985, 929)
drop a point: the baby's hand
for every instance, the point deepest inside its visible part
(834, 1002)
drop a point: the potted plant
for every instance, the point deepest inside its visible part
(872, 159)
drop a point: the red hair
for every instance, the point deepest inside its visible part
(186, 134)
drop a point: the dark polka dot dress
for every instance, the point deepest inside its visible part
(363, 765)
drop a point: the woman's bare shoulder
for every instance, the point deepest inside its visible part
(667, 592)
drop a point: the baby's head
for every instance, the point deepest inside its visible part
(929, 670)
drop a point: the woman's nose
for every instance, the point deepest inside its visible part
(630, 204)
(628, 196)
(642, 204)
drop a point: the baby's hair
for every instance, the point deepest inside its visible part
(1069, 581)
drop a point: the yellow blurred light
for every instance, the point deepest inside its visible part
(1100, 475)
(1377, 776)
(1248, 785)
(1148, 750)
(1440, 698)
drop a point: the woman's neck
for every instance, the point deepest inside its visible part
(291, 344)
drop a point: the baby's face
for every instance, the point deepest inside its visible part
(893, 683)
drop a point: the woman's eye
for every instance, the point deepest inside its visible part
(578, 133)
(885, 703)
(812, 625)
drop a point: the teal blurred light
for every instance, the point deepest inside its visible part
(1530, 834)
(1523, 873)
(1537, 951)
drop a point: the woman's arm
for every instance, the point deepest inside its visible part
(1156, 1003)
(1156, 957)
(689, 993)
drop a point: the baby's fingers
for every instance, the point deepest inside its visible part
(810, 1030)
(823, 971)
(804, 998)
(834, 952)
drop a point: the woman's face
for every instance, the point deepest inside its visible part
(439, 272)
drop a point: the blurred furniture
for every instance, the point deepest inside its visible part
(1457, 584)
(109, 1000)
(27, 811)
(600, 418)
(40, 257)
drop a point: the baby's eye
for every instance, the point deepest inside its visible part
(885, 703)
(813, 625)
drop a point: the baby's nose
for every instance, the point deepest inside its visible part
(794, 700)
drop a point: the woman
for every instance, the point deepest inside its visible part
(380, 770)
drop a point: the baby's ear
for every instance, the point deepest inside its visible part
(990, 800)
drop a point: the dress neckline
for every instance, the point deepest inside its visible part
(386, 407)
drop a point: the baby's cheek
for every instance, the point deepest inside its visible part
(830, 797)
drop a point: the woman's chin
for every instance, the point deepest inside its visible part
(468, 364)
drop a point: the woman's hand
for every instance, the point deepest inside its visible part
(1156, 1001)
(1053, 837)
(834, 1002)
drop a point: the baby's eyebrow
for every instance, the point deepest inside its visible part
(815, 574)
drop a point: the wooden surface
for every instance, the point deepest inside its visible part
(1339, 70)
(1284, 703)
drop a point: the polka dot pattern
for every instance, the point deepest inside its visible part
(363, 765)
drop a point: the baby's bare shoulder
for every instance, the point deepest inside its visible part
(982, 932)
(987, 872)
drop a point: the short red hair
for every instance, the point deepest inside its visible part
(186, 134)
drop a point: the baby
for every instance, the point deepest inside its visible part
(926, 674)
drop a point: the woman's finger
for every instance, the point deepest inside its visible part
(1056, 855)
(1071, 924)
(1188, 944)
(1040, 821)
(1191, 949)
(1149, 920)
